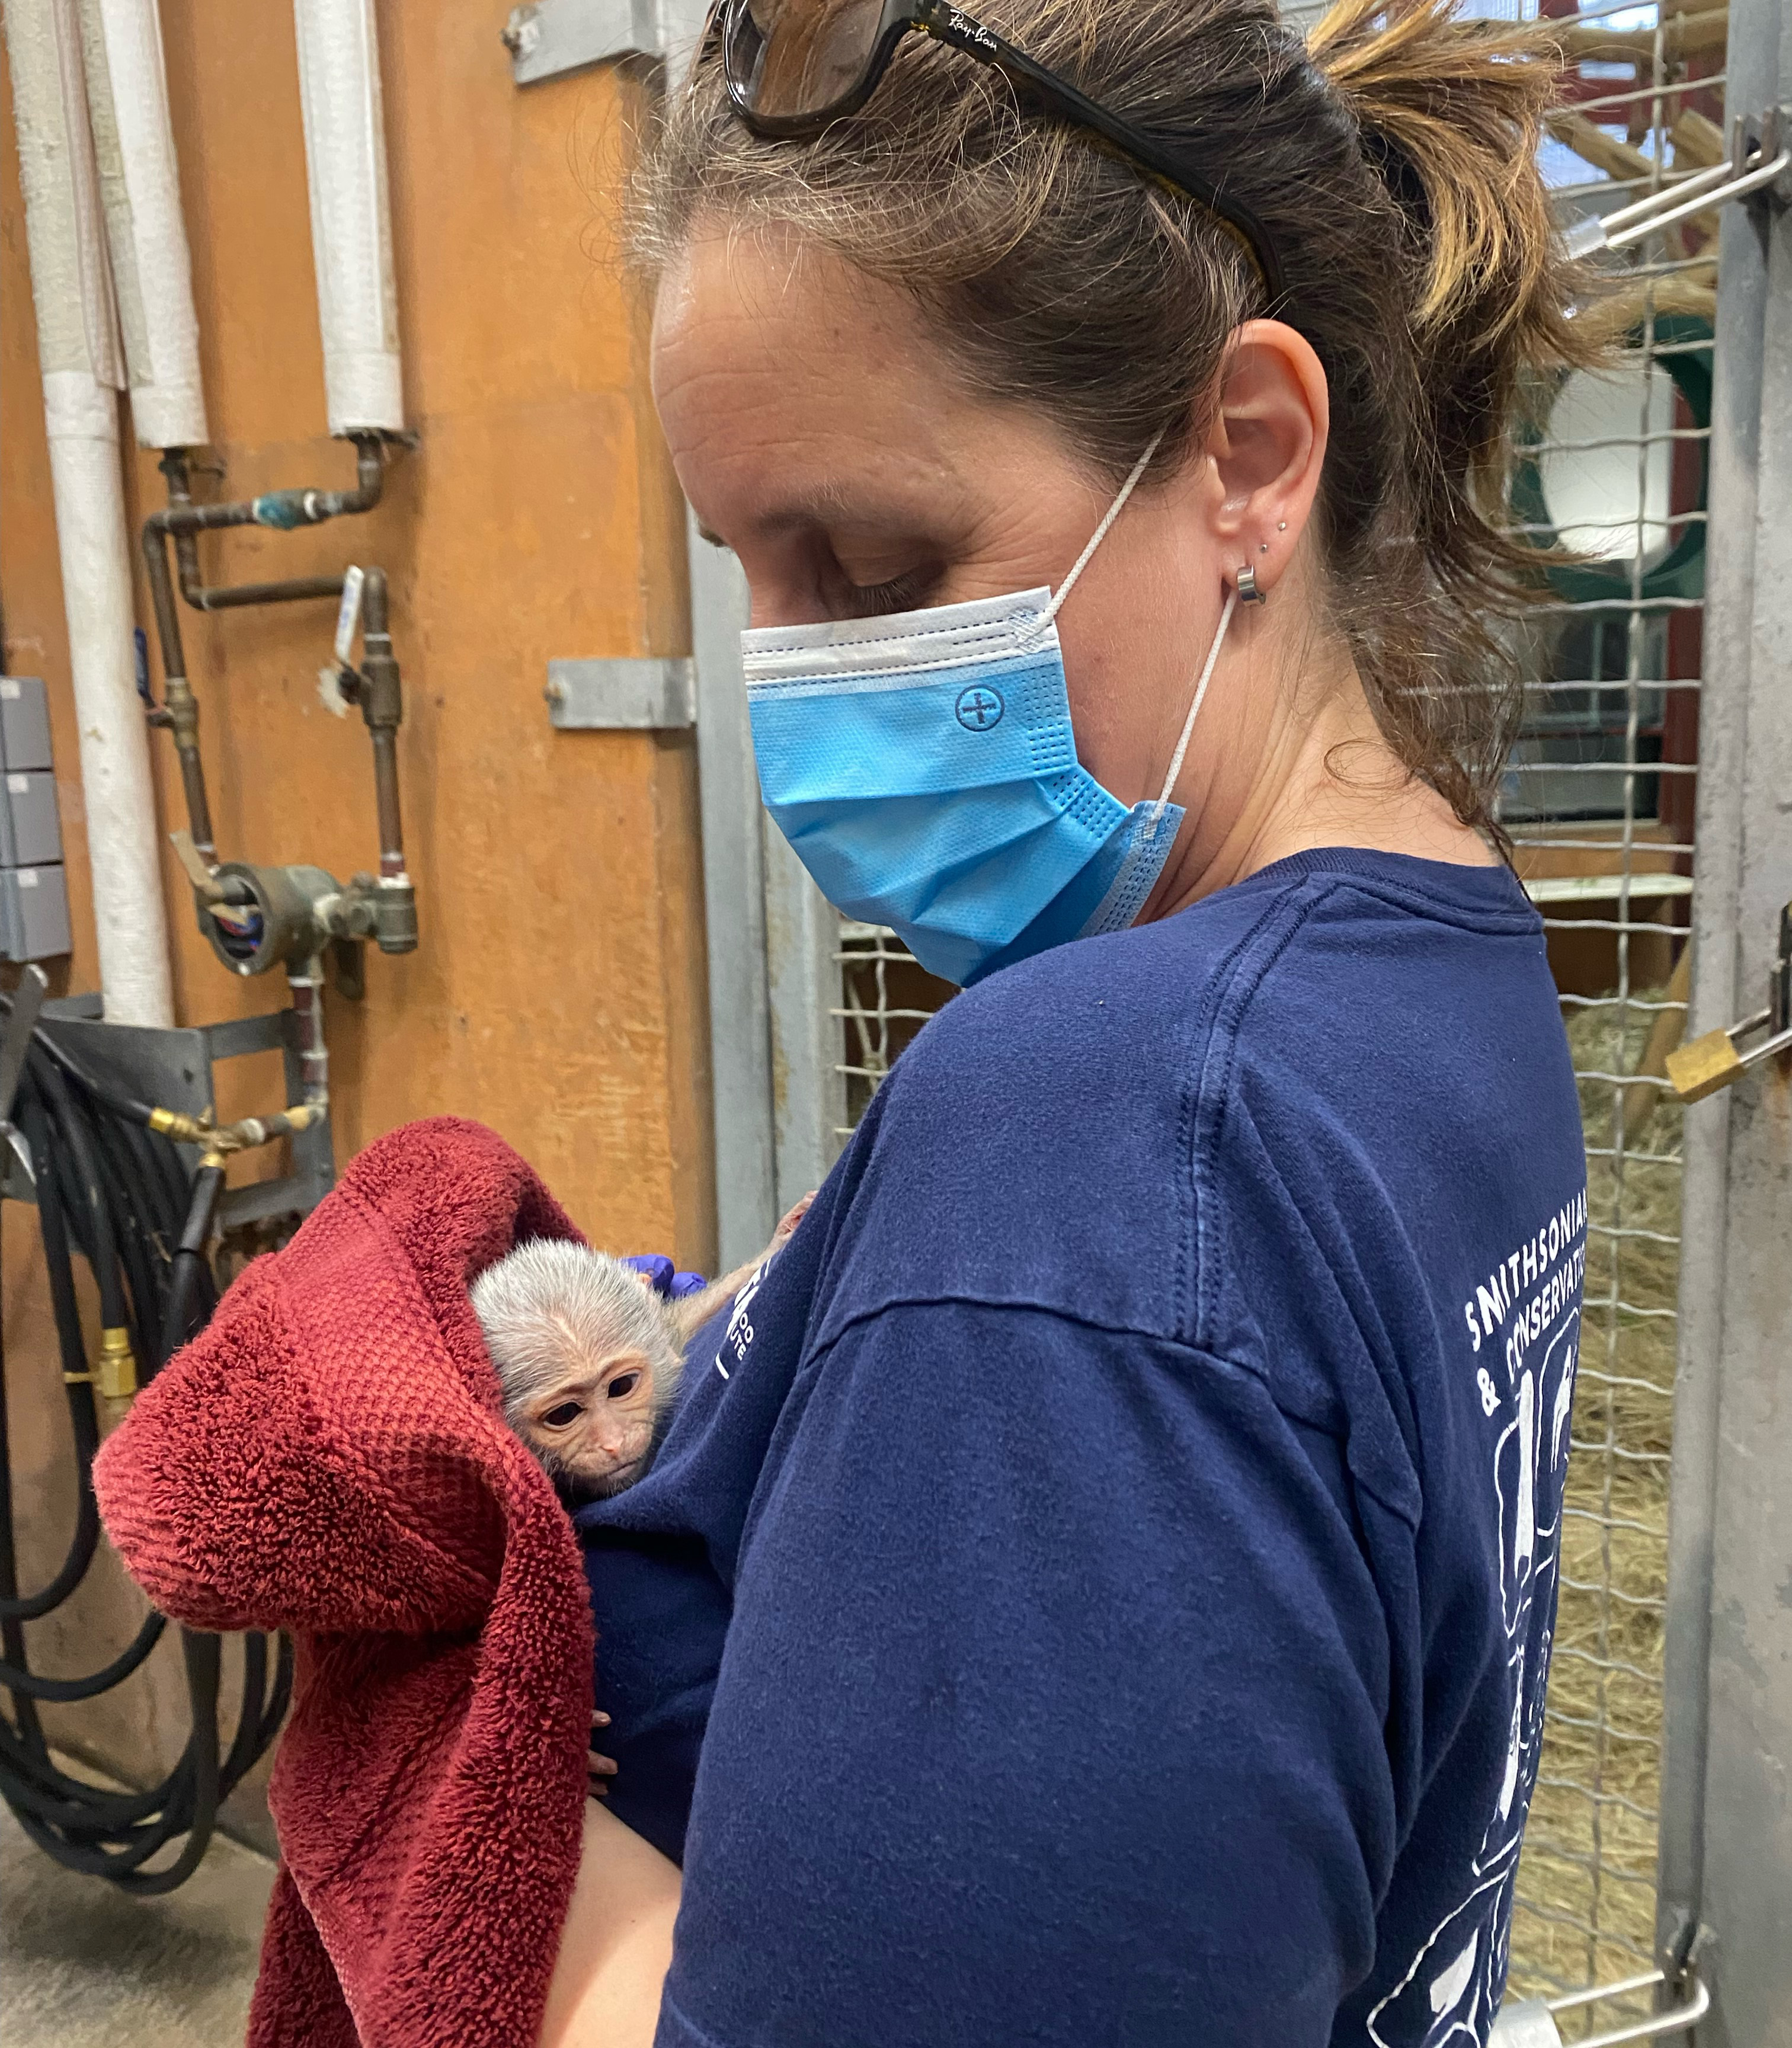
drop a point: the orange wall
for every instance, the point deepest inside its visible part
(558, 992)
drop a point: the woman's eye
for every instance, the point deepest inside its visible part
(623, 1384)
(903, 593)
(562, 1417)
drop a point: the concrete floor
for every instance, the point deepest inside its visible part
(82, 1965)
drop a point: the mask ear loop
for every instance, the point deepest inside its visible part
(1162, 804)
(1069, 584)
(1100, 534)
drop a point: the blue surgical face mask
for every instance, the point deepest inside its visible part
(923, 766)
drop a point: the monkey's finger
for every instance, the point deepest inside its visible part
(599, 1766)
(600, 1720)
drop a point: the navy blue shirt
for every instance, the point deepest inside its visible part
(1097, 1587)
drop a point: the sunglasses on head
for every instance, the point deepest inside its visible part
(791, 67)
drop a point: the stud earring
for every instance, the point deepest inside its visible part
(1248, 593)
(1262, 547)
(1282, 526)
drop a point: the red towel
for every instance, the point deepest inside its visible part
(329, 1457)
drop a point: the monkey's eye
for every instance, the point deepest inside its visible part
(623, 1384)
(562, 1417)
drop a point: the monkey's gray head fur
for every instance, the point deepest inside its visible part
(550, 1306)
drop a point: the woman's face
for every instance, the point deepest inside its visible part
(817, 433)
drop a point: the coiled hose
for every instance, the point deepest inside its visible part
(113, 1189)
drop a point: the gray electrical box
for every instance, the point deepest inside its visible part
(30, 829)
(24, 722)
(34, 913)
(33, 888)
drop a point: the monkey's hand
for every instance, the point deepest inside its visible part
(601, 1768)
(787, 1223)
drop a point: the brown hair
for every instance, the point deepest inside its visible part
(1391, 157)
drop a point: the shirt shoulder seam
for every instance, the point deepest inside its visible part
(1203, 1353)
(1233, 990)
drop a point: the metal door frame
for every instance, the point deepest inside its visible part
(774, 945)
(1725, 1873)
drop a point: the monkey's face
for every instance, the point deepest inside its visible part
(594, 1428)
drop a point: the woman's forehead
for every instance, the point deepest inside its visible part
(797, 393)
(790, 364)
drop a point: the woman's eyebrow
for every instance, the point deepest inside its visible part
(824, 505)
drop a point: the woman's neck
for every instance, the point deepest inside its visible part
(1322, 775)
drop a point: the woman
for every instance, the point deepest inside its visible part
(1107, 1562)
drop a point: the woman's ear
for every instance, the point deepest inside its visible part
(1267, 444)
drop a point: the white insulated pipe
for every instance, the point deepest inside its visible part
(140, 185)
(350, 217)
(78, 354)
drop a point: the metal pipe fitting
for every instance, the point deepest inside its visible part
(117, 1377)
(259, 917)
(288, 508)
(282, 916)
(244, 1135)
(282, 509)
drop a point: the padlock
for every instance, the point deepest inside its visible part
(1713, 1061)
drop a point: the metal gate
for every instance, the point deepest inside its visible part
(1602, 799)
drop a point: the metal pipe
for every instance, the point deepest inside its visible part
(82, 368)
(382, 706)
(180, 521)
(233, 596)
(133, 138)
(307, 985)
(282, 509)
(342, 105)
(179, 711)
(385, 796)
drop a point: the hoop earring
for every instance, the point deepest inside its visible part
(1248, 593)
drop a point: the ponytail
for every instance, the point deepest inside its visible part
(1462, 103)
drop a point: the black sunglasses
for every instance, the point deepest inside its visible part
(793, 66)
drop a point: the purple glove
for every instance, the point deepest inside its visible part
(657, 1269)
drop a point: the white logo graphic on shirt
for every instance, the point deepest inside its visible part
(1525, 1322)
(738, 1334)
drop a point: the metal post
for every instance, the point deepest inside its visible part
(1726, 1824)
(740, 1036)
(808, 1084)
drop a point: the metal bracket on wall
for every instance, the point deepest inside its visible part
(551, 36)
(173, 1068)
(655, 694)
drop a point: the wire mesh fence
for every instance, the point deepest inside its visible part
(1599, 799)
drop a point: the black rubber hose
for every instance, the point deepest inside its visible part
(82, 1413)
(119, 1195)
(64, 1690)
(191, 1274)
(115, 1100)
(101, 1242)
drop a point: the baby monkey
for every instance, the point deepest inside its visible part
(589, 1355)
